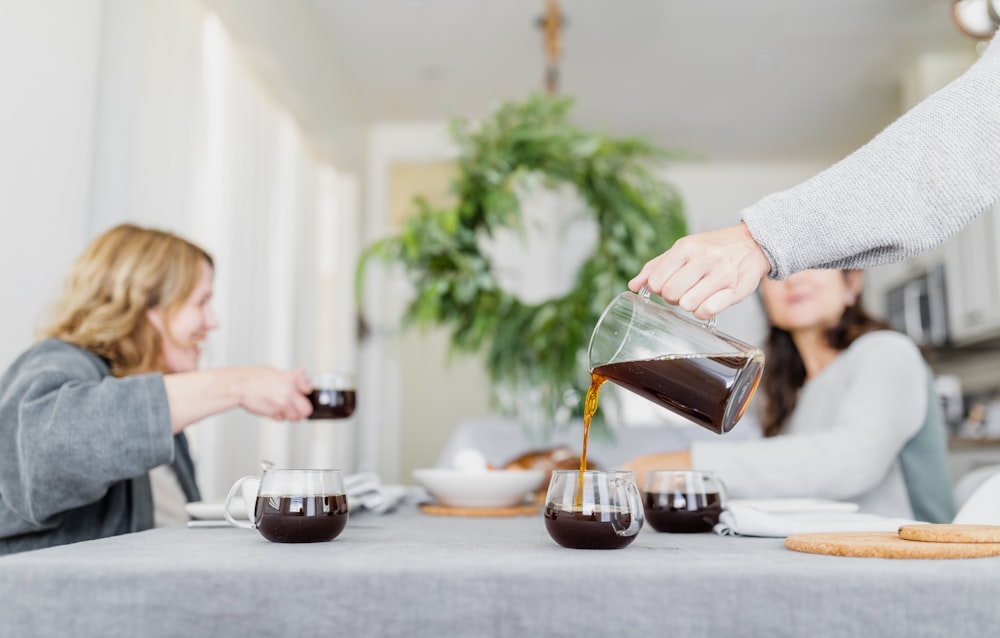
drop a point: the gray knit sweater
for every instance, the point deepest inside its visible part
(75, 448)
(911, 187)
(866, 429)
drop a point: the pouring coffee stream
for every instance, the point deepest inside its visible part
(589, 410)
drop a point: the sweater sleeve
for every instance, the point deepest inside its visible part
(911, 187)
(69, 433)
(878, 399)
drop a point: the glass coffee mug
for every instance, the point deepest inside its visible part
(683, 500)
(675, 361)
(593, 509)
(295, 506)
(334, 396)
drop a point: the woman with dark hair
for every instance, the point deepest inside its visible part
(849, 410)
(105, 395)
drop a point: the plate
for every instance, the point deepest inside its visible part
(215, 511)
(789, 505)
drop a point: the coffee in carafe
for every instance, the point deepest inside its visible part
(711, 390)
(683, 365)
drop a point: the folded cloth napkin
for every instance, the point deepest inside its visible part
(365, 492)
(740, 519)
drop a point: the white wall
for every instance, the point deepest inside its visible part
(49, 54)
(282, 40)
(380, 446)
(121, 110)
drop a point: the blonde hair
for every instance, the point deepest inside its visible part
(120, 275)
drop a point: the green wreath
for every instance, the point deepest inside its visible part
(541, 348)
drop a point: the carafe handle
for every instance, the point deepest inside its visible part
(644, 293)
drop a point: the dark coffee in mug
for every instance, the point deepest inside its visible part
(301, 519)
(588, 529)
(682, 512)
(332, 404)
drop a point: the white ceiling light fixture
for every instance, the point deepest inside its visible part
(976, 18)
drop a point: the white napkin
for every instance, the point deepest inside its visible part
(742, 519)
(983, 506)
(365, 492)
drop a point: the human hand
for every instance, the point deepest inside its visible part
(276, 394)
(705, 273)
(640, 466)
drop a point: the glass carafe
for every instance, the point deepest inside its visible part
(675, 361)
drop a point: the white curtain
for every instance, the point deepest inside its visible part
(188, 141)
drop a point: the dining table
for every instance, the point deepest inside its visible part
(410, 573)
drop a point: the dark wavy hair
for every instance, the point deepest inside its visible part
(785, 373)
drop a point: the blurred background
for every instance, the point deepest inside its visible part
(286, 136)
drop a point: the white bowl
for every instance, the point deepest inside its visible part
(489, 488)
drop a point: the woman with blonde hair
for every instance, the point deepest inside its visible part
(104, 397)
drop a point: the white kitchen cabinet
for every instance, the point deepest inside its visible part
(972, 272)
(882, 280)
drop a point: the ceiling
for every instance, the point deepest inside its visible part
(743, 80)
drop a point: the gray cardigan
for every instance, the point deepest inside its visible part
(868, 429)
(914, 185)
(75, 448)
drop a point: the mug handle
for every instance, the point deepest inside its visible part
(229, 499)
(723, 492)
(644, 293)
(634, 499)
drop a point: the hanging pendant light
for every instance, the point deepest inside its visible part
(552, 23)
(976, 18)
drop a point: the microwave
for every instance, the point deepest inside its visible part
(918, 307)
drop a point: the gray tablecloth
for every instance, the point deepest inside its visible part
(414, 575)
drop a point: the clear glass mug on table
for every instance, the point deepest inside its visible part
(593, 509)
(674, 360)
(683, 501)
(293, 505)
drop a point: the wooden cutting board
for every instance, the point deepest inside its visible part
(885, 545)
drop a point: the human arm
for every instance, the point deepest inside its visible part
(68, 432)
(846, 432)
(911, 187)
(266, 391)
(640, 466)
(914, 185)
(707, 272)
